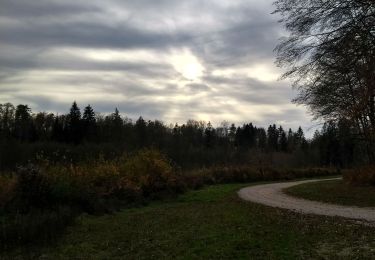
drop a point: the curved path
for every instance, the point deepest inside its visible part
(272, 195)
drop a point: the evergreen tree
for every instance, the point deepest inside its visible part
(74, 124)
(283, 141)
(273, 137)
(249, 135)
(291, 140)
(115, 125)
(89, 123)
(117, 120)
(299, 135)
(262, 138)
(88, 115)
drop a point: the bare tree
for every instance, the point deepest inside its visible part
(330, 56)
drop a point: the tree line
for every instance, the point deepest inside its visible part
(194, 141)
(78, 127)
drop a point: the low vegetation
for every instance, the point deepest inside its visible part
(208, 223)
(336, 192)
(37, 203)
(245, 174)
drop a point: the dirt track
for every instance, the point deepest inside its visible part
(272, 195)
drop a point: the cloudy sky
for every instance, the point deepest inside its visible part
(172, 60)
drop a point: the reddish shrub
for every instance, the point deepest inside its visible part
(7, 189)
(361, 176)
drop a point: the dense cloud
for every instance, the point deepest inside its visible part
(170, 60)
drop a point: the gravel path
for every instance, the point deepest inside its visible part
(272, 195)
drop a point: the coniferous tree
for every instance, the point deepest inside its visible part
(89, 123)
(299, 138)
(262, 138)
(88, 115)
(291, 140)
(115, 124)
(74, 124)
(272, 138)
(283, 141)
(250, 135)
(116, 118)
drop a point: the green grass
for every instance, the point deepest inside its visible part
(212, 223)
(335, 191)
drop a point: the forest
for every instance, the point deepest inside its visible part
(86, 135)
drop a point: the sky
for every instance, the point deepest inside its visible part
(172, 60)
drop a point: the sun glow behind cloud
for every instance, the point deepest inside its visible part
(187, 64)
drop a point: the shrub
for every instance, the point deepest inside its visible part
(361, 176)
(152, 172)
(7, 190)
(87, 186)
(244, 173)
(99, 186)
(29, 189)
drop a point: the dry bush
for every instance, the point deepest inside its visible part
(361, 176)
(96, 186)
(152, 172)
(7, 189)
(246, 173)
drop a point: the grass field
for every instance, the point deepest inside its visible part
(210, 223)
(335, 191)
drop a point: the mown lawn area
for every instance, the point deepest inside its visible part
(335, 191)
(212, 223)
